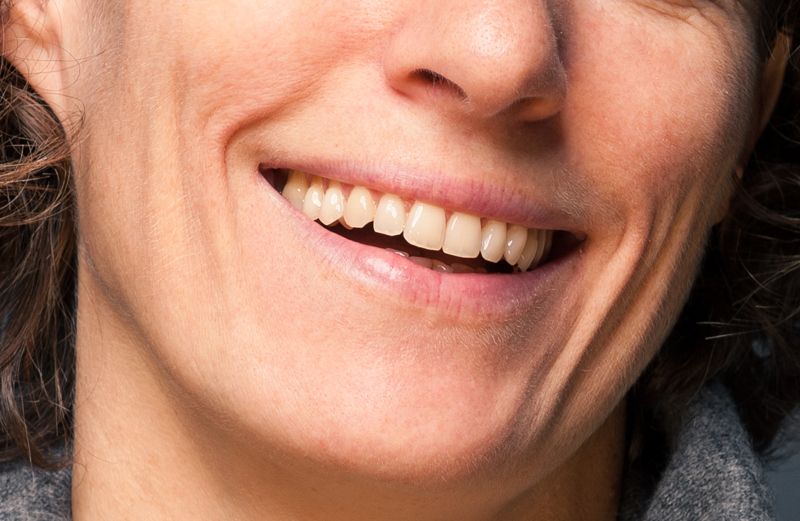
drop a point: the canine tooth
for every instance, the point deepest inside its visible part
(295, 189)
(332, 205)
(425, 226)
(528, 254)
(493, 240)
(422, 261)
(390, 216)
(360, 208)
(463, 236)
(441, 267)
(312, 202)
(516, 236)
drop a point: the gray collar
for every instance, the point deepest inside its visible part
(712, 472)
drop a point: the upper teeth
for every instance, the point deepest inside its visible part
(422, 224)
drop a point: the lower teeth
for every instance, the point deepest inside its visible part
(437, 265)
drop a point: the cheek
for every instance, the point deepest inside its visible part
(657, 116)
(289, 51)
(166, 69)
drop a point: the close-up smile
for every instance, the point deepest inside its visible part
(396, 260)
(426, 234)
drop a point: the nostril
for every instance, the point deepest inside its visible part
(435, 79)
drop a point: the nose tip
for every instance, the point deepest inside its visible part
(483, 58)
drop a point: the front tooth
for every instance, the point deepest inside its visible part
(332, 205)
(425, 226)
(463, 236)
(360, 208)
(390, 216)
(295, 189)
(515, 242)
(532, 247)
(312, 202)
(493, 240)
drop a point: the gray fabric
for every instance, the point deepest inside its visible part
(32, 494)
(712, 474)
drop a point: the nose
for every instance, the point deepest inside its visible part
(484, 58)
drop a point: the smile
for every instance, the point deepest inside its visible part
(426, 234)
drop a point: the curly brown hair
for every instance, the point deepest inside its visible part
(740, 324)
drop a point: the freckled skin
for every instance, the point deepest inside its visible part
(204, 314)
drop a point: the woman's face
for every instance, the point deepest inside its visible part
(616, 123)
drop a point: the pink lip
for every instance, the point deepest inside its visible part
(464, 297)
(527, 208)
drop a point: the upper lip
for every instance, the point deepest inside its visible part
(477, 195)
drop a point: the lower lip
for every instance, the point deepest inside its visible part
(462, 296)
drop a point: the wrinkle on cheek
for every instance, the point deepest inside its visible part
(267, 58)
(655, 139)
(724, 24)
(688, 11)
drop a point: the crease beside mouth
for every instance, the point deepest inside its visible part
(422, 233)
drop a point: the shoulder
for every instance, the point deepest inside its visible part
(29, 493)
(712, 472)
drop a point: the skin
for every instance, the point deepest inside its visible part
(226, 372)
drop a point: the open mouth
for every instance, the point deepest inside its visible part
(428, 235)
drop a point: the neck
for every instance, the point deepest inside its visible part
(143, 452)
